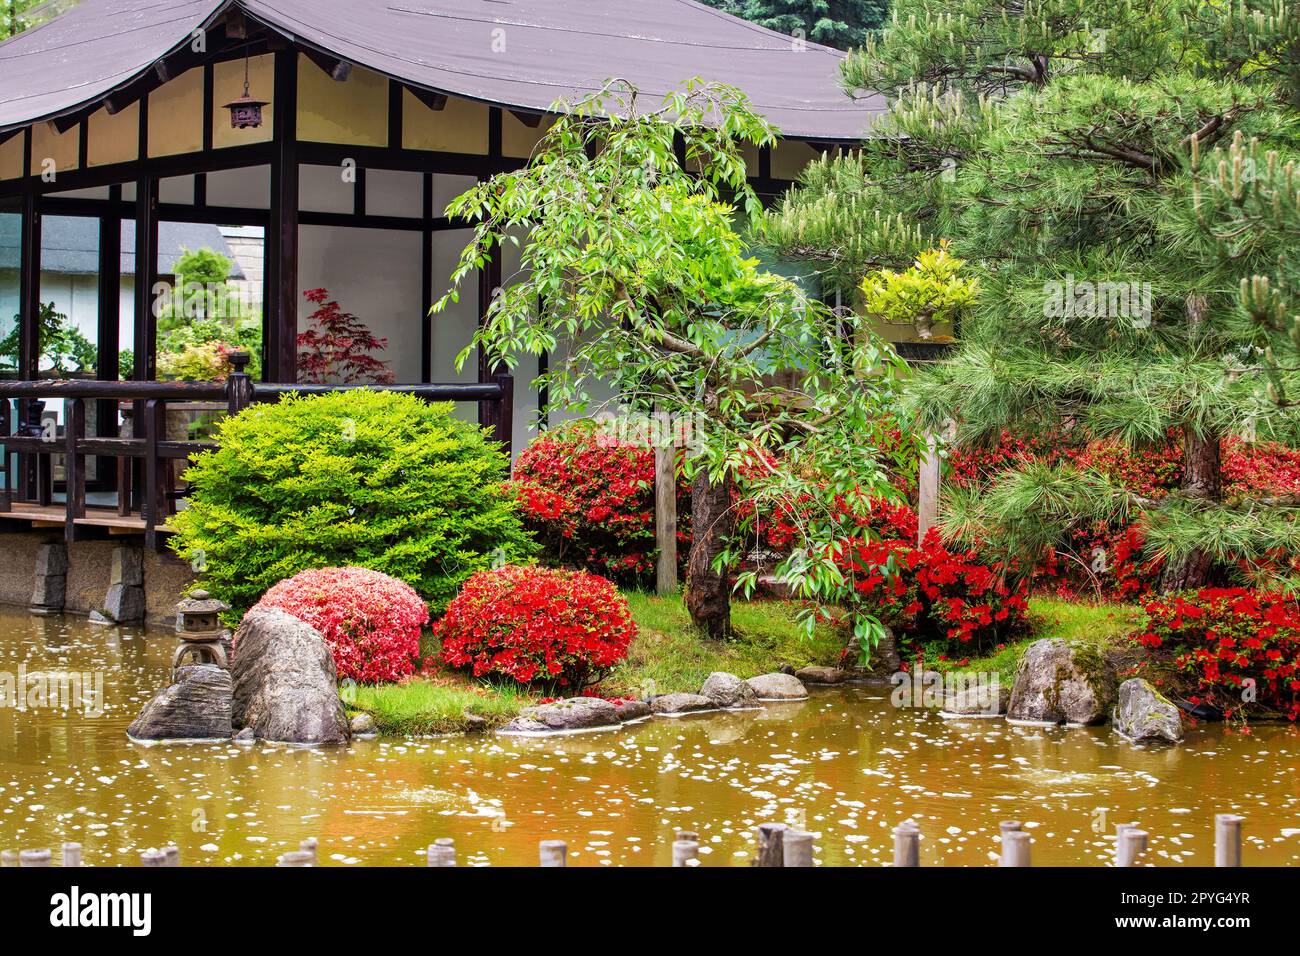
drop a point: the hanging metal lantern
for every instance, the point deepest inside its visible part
(246, 112)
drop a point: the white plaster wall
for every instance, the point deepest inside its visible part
(374, 274)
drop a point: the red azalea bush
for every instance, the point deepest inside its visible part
(370, 622)
(589, 499)
(1224, 637)
(931, 591)
(560, 628)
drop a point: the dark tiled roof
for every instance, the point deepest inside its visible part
(524, 54)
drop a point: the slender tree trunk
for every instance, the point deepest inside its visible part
(1202, 479)
(708, 593)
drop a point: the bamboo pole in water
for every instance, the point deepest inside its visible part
(171, 855)
(72, 854)
(554, 852)
(770, 844)
(1132, 844)
(8, 858)
(1227, 839)
(309, 845)
(296, 858)
(34, 858)
(153, 858)
(798, 845)
(907, 844)
(441, 852)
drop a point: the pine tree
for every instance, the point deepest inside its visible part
(1122, 177)
(838, 23)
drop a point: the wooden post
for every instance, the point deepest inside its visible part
(505, 416)
(927, 509)
(280, 300)
(171, 855)
(666, 520)
(907, 844)
(1016, 848)
(1005, 827)
(771, 844)
(309, 846)
(686, 853)
(239, 385)
(1120, 829)
(1132, 844)
(554, 853)
(8, 858)
(72, 854)
(34, 858)
(1227, 839)
(688, 835)
(798, 846)
(74, 430)
(296, 858)
(441, 852)
(153, 858)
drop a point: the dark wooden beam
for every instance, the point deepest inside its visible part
(396, 121)
(280, 362)
(426, 279)
(336, 69)
(144, 341)
(29, 276)
(531, 120)
(435, 101)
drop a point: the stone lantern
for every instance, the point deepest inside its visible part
(199, 630)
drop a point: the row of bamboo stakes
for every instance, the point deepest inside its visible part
(778, 845)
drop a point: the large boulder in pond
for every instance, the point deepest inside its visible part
(575, 713)
(667, 705)
(1059, 682)
(777, 687)
(286, 686)
(196, 707)
(728, 690)
(1143, 713)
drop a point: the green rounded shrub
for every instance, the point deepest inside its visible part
(361, 478)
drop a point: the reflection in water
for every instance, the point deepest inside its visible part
(844, 764)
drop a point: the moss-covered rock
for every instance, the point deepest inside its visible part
(1143, 713)
(1062, 682)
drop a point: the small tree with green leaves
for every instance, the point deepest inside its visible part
(645, 285)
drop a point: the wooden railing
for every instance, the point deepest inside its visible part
(148, 456)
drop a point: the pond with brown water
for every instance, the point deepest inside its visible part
(844, 764)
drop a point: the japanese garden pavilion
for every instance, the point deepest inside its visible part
(376, 113)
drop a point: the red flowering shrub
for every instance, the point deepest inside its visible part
(560, 628)
(370, 621)
(931, 591)
(589, 499)
(1241, 648)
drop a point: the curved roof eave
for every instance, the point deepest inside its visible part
(521, 58)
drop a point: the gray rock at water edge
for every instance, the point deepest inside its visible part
(632, 710)
(1143, 713)
(728, 690)
(98, 617)
(196, 707)
(777, 687)
(1059, 682)
(819, 674)
(573, 713)
(124, 603)
(681, 704)
(363, 725)
(286, 685)
(50, 591)
(245, 736)
(978, 700)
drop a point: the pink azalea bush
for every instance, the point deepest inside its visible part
(370, 622)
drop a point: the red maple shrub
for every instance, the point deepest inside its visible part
(1240, 648)
(588, 497)
(557, 628)
(370, 622)
(336, 347)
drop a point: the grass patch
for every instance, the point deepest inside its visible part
(1103, 626)
(670, 653)
(439, 704)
